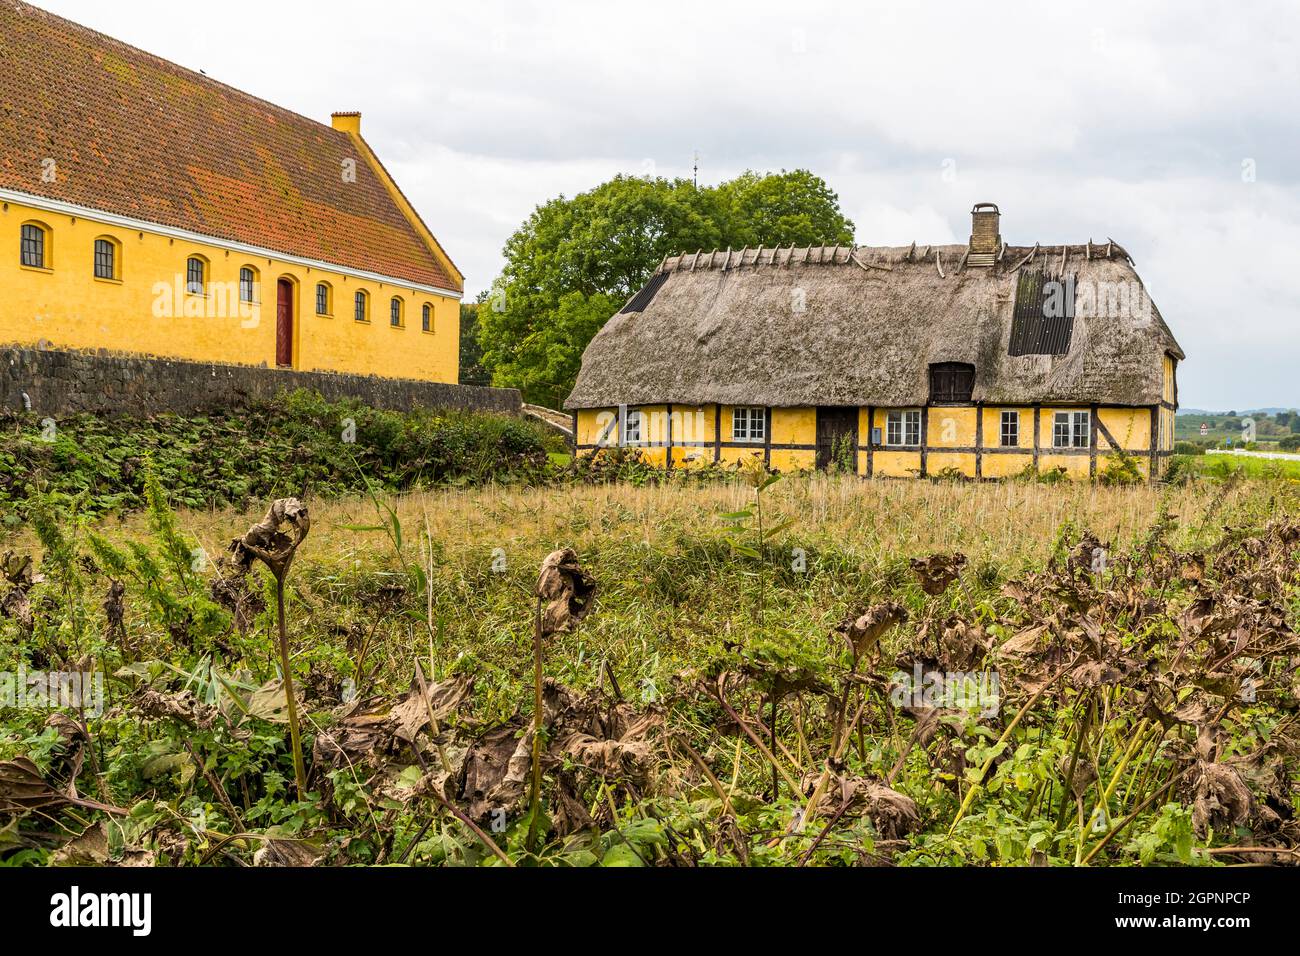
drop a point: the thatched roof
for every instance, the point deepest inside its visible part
(842, 326)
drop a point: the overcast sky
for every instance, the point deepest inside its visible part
(1170, 126)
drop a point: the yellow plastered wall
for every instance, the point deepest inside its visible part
(654, 433)
(597, 426)
(1005, 464)
(1130, 427)
(1076, 465)
(891, 464)
(952, 427)
(794, 426)
(895, 464)
(692, 425)
(947, 427)
(147, 311)
(731, 456)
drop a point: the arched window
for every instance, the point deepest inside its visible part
(395, 313)
(108, 258)
(426, 318)
(324, 298)
(248, 285)
(361, 305)
(35, 246)
(196, 275)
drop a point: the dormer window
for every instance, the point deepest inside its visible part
(951, 383)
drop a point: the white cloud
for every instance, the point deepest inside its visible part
(1122, 119)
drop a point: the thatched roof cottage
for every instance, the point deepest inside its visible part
(986, 359)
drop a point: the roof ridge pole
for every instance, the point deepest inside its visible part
(912, 251)
(1065, 257)
(1109, 242)
(696, 261)
(1087, 250)
(758, 255)
(789, 256)
(938, 265)
(1026, 260)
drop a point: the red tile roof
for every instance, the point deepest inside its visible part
(138, 136)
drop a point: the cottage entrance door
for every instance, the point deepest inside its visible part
(837, 436)
(284, 324)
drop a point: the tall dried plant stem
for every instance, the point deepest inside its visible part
(291, 700)
(535, 789)
(265, 542)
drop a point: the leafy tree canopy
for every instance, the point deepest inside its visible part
(574, 262)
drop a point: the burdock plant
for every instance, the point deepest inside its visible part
(268, 543)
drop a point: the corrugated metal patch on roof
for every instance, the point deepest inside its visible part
(1043, 323)
(646, 295)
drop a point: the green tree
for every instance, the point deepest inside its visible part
(575, 261)
(781, 209)
(472, 371)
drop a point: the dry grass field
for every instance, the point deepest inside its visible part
(729, 695)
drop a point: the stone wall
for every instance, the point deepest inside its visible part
(55, 382)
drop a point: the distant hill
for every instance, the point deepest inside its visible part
(1241, 411)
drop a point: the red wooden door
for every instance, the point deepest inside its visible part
(284, 323)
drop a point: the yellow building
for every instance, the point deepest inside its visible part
(148, 209)
(985, 360)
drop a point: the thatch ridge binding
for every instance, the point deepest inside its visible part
(877, 257)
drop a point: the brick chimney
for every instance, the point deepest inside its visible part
(985, 239)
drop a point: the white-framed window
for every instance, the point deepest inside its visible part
(748, 424)
(903, 428)
(1071, 429)
(632, 426)
(1009, 431)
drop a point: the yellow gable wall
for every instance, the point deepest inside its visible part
(67, 307)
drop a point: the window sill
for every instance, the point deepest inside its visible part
(41, 269)
(324, 315)
(428, 331)
(108, 281)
